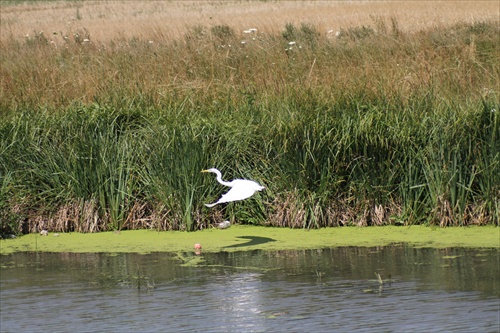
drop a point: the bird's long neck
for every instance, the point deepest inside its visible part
(219, 179)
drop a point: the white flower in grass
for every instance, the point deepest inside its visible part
(487, 91)
(250, 31)
(292, 43)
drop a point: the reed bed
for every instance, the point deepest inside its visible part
(368, 125)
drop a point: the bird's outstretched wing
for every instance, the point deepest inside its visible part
(240, 189)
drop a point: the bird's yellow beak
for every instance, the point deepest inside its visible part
(205, 171)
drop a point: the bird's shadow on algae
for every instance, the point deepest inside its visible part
(252, 240)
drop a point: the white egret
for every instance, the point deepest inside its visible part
(240, 188)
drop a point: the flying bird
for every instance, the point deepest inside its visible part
(240, 188)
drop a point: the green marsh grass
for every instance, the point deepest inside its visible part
(372, 127)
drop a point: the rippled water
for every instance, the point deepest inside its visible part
(334, 290)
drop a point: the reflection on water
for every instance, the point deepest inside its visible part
(332, 290)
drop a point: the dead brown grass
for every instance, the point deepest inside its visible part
(107, 20)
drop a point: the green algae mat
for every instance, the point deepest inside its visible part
(242, 238)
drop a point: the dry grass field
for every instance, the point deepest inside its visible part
(106, 20)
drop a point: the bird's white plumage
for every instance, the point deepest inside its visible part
(240, 188)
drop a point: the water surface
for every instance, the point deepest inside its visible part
(332, 290)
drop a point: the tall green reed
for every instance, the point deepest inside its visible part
(174, 156)
(488, 161)
(84, 154)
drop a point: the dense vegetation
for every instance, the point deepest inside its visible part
(367, 126)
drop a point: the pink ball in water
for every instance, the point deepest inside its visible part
(197, 246)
